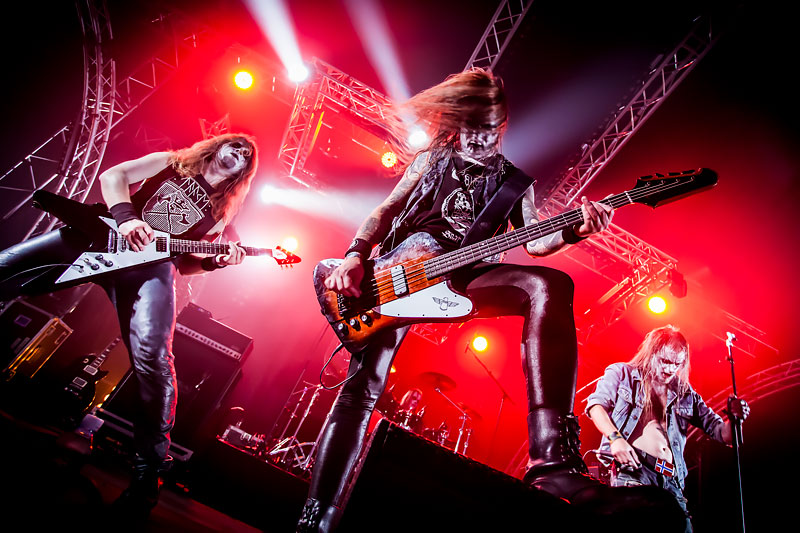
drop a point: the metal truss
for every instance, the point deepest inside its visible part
(754, 388)
(498, 34)
(212, 129)
(68, 162)
(329, 88)
(648, 269)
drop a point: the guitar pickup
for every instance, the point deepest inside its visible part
(399, 282)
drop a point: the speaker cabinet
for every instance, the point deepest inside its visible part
(206, 374)
(406, 483)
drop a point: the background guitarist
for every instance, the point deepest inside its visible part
(192, 193)
(458, 178)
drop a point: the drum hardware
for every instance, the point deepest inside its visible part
(289, 443)
(464, 432)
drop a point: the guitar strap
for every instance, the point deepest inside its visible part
(498, 209)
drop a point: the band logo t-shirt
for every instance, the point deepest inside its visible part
(455, 205)
(180, 206)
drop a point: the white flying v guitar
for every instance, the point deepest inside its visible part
(109, 251)
(410, 284)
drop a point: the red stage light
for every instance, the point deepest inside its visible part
(657, 304)
(389, 159)
(243, 79)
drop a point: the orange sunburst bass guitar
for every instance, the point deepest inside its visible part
(410, 284)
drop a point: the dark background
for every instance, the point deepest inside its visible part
(567, 71)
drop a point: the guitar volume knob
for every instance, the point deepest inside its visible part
(354, 323)
(366, 319)
(341, 327)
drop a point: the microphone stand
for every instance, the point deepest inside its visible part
(737, 426)
(502, 401)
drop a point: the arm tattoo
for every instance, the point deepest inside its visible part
(543, 246)
(377, 224)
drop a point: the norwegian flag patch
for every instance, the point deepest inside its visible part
(665, 468)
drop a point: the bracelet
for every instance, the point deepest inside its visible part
(614, 436)
(353, 254)
(360, 246)
(210, 263)
(570, 237)
(123, 212)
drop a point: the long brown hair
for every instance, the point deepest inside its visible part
(471, 98)
(664, 337)
(229, 195)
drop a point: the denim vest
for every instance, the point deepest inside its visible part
(620, 393)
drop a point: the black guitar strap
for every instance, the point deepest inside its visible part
(498, 209)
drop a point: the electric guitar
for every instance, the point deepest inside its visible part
(81, 390)
(410, 284)
(108, 251)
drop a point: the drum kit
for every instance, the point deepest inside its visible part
(405, 413)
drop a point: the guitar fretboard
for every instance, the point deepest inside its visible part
(450, 261)
(205, 247)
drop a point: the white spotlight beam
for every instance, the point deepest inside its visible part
(273, 18)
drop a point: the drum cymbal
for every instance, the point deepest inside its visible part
(437, 380)
(472, 413)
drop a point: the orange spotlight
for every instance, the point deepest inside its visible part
(290, 244)
(479, 343)
(657, 304)
(389, 159)
(243, 79)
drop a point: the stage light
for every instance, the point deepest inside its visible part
(657, 304)
(479, 343)
(290, 244)
(298, 73)
(417, 138)
(389, 159)
(243, 79)
(276, 24)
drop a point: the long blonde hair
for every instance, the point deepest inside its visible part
(229, 195)
(656, 340)
(470, 98)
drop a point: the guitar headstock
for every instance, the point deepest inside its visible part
(660, 189)
(284, 257)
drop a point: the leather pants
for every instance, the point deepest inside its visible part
(541, 295)
(144, 298)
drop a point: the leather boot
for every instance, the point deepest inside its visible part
(142, 494)
(555, 466)
(318, 517)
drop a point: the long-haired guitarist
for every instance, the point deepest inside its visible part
(461, 190)
(191, 193)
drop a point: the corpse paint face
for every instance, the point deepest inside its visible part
(232, 156)
(479, 143)
(667, 363)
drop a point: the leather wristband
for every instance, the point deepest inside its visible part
(570, 237)
(123, 212)
(360, 246)
(210, 263)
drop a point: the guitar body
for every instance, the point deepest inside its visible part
(396, 292)
(80, 392)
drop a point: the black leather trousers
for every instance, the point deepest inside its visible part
(541, 295)
(144, 298)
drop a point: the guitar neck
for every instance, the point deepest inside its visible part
(473, 253)
(205, 247)
(102, 357)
